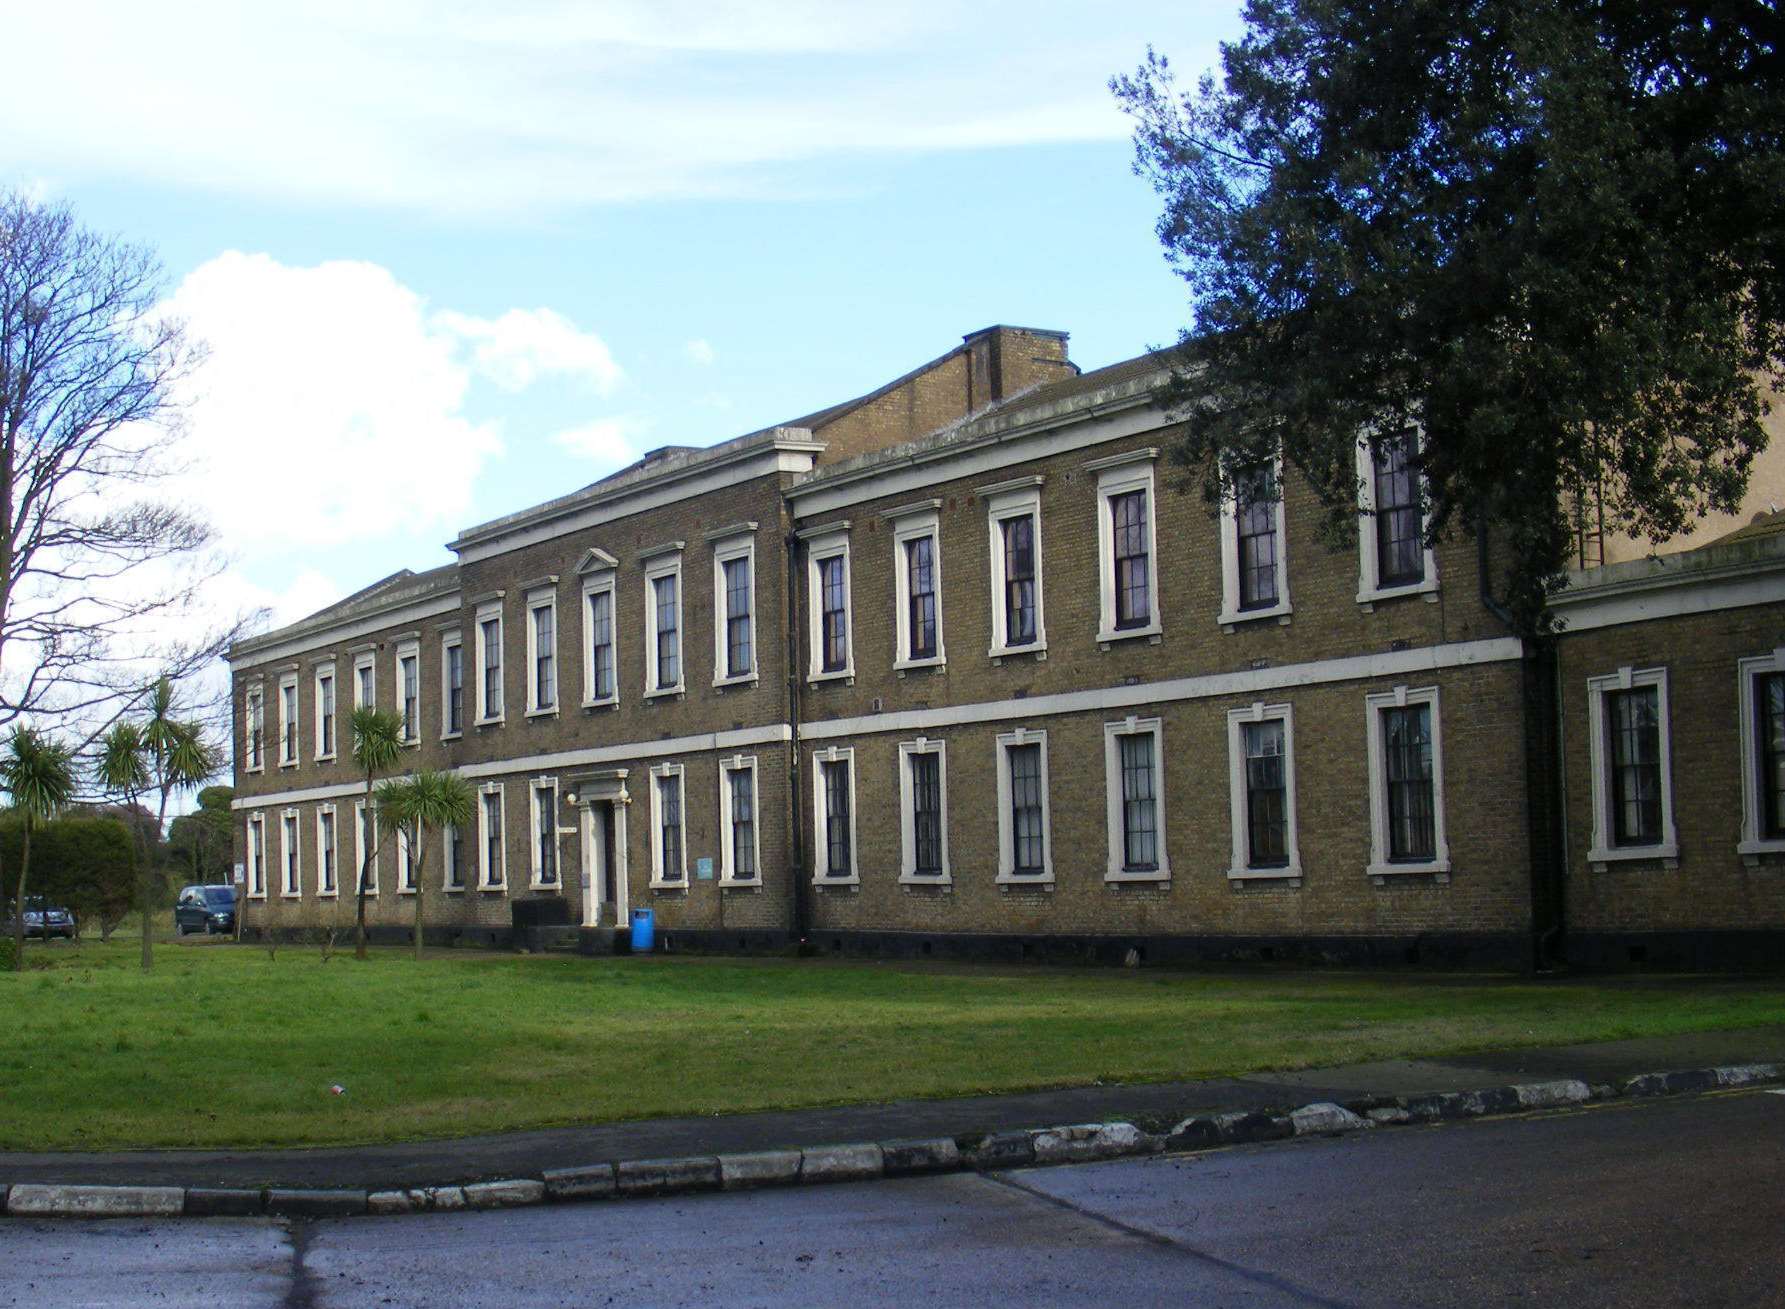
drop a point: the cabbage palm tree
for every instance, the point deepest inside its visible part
(377, 742)
(124, 773)
(425, 801)
(38, 773)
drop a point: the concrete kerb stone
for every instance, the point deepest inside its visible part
(1081, 1142)
(740, 1172)
(50, 1201)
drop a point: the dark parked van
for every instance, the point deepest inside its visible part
(205, 909)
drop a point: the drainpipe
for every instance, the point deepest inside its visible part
(1542, 710)
(794, 551)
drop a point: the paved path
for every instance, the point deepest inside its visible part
(523, 1154)
(1641, 1203)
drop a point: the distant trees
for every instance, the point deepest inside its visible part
(201, 844)
(82, 860)
(38, 774)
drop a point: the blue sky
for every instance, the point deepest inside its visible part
(465, 262)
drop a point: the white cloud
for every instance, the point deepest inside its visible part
(330, 409)
(545, 106)
(610, 443)
(700, 351)
(524, 345)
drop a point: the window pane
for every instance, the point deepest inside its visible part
(1256, 523)
(492, 838)
(1407, 747)
(669, 808)
(546, 799)
(492, 668)
(669, 639)
(454, 850)
(1134, 606)
(836, 818)
(545, 657)
(1400, 554)
(1140, 836)
(737, 617)
(1267, 809)
(1019, 580)
(926, 814)
(1026, 831)
(1634, 723)
(743, 823)
(834, 614)
(455, 688)
(920, 581)
(411, 671)
(1769, 703)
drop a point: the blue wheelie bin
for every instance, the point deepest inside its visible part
(644, 930)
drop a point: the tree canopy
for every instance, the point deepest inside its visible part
(1547, 234)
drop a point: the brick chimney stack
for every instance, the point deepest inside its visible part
(1004, 360)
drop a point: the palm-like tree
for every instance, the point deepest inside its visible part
(38, 773)
(377, 743)
(124, 772)
(423, 802)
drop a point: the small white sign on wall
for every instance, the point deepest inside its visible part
(241, 874)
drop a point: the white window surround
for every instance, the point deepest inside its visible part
(492, 879)
(545, 597)
(291, 867)
(1368, 589)
(1231, 614)
(254, 713)
(913, 523)
(727, 873)
(828, 542)
(908, 811)
(600, 582)
(363, 664)
(325, 673)
(1112, 787)
(668, 878)
(1118, 475)
(1603, 851)
(406, 650)
(257, 854)
(289, 745)
(1380, 868)
(402, 855)
(365, 825)
(1240, 866)
(453, 641)
(327, 842)
(1007, 874)
(487, 612)
(542, 786)
(1752, 844)
(739, 543)
(666, 561)
(822, 872)
(1019, 498)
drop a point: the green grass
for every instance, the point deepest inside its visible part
(223, 1046)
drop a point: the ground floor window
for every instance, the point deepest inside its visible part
(1132, 768)
(288, 854)
(1762, 686)
(545, 833)
(1628, 740)
(257, 857)
(668, 846)
(492, 859)
(452, 844)
(365, 847)
(737, 820)
(833, 772)
(1406, 783)
(923, 804)
(1023, 853)
(325, 850)
(1261, 791)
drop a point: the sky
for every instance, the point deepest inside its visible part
(453, 259)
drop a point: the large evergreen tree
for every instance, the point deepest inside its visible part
(1547, 233)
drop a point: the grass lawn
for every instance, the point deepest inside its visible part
(223, 1046)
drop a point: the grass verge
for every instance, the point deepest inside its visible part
(223, 1046)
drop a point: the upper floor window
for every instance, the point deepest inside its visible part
(288, 722)
(365, 684)
(599, 682)
(1128, 566)
(325, 712)
(1392, 552)
(1762, 700)
(489, 663)
(734, 604)
(1261, 792)
(409, 689)
(1013, 516)
(1135, 797)
(542, 652)
(1254, 579)
(827, 589)
(923, 803)
(1023, 852)
(256, 729)
(663, 638)
(1632, 784)
(452, 690)
(1406, 764)
(917, 585)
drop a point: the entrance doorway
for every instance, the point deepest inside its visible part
(602, 799)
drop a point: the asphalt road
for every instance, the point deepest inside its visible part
(1664, 1202)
